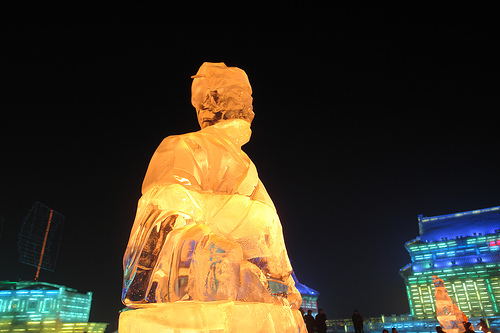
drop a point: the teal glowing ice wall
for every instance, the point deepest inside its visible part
(39, 301)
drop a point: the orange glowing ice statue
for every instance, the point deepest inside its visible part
(206, 251)
(448, 314)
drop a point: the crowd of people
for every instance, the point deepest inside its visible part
(318, 324)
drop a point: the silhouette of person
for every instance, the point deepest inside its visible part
(483, 326)
(357, 322)
(469, 328)
(394, 330)
(309, 320)
(385, 331)
(439, 329)
(321, 321)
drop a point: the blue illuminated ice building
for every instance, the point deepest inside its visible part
(463, 249)
(30, 306)
(309, 296)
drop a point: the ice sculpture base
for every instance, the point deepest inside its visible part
(213, 317)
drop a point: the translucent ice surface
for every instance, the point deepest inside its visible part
(448, 314)
(206, 229)
(212, 317)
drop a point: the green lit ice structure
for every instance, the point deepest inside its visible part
(464, 250)
(30, 306)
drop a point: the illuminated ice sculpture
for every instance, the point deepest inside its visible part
(448, 314)
(206, 251)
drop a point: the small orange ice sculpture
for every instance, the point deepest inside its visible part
(448, 314)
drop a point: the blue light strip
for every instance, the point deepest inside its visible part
(454, 215)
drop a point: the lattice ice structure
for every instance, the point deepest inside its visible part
(34, 233)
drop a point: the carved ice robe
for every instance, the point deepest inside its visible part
(201, 179)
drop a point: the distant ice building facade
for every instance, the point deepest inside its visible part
(44, 307)
(309, 296)
(464, 250)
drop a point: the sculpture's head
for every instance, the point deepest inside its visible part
(437, 281)
(220, 92)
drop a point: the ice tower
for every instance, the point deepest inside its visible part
(206, 251)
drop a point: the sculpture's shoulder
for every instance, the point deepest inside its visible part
(191, 141)
(168, 143)
(163, 161)
(186, 157)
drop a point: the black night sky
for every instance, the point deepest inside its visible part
(365, 118)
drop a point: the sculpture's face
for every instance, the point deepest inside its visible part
(220, 93)
(224, 103)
